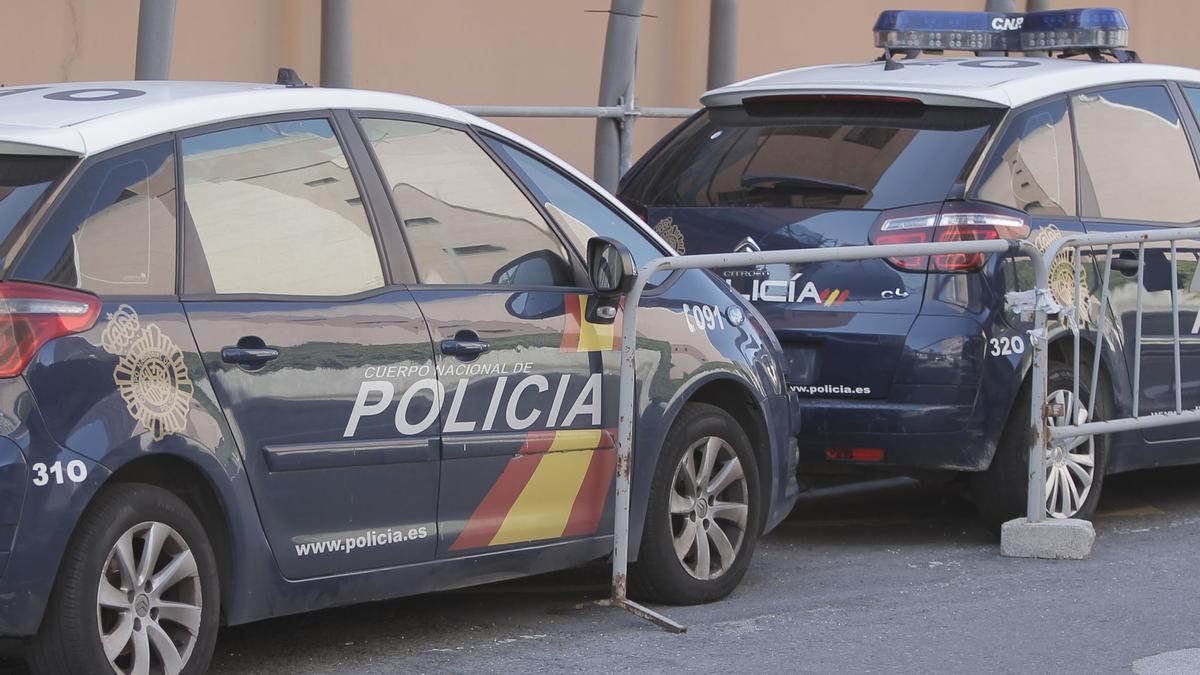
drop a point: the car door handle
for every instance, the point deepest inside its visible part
(251, 356)
(465, 347)
(1124, 265)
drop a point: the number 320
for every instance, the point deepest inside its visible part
(1005, 346)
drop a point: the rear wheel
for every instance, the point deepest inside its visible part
(1074, 466)
(703, 517)
(137, 592)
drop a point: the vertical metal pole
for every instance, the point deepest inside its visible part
(1000, 6)
(1175, 323)
(336, 62)
(616, 73)
(1036, 502)
(155, 36)
(625, 154)
(1137, 331)
(722, 42)
(1037, 5)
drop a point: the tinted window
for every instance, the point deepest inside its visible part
(114, 232)
(1033, 165)
(579, 213)
(274, 209)
(1134, 159)
(24, 182)
(847, 155)
(465, 220)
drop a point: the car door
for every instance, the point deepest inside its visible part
(1138, 171)
(527, 434)
(323, 367)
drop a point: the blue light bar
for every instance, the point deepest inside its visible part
(1002, 32)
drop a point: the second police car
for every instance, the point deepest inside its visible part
(269, 349)
(919, 365)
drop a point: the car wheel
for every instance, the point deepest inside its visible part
(703, 516)
(137, 591)
(1074, 466)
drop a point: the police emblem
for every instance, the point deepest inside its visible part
(668, 230)
(1062, 269)
(150, 375)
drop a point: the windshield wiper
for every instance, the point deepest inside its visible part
(800, 184)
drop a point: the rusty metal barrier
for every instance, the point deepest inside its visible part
(627, 410)
(1071, 299)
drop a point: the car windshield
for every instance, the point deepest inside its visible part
(24, 181)
(861, 154)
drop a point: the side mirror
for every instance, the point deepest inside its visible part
(612, 272)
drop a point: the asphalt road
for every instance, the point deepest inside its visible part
(893, 578)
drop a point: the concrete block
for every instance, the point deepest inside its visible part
(1055, 539)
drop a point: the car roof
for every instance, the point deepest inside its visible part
(1007, 82)
(84, 118)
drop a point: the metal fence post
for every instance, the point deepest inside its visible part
(722, 42)
(155, 36)
(1037, 5)
(616, 75)
(336, 59)
(1038, 341)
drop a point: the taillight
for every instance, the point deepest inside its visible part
(955, 222)
(32, 315)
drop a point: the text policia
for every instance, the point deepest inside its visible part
(531, 400)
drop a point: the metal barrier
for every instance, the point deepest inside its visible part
(1063, 263)
(627, 410)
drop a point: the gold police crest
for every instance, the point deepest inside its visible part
(150, 375)
(1062, 268)
(668, 230)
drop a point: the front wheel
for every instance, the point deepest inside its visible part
(703, 517)
(1074, 466)
(137, 592)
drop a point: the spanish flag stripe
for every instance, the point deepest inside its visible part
(572, 321)
(543, 507)
(588, 508)
(487, 518)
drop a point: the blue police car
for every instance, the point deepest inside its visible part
(916, 365)
(268, 349)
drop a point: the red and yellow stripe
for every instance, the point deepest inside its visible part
(581, 335)
(555, 486)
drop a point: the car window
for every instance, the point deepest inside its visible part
(1135, 162)
(114, 232)
(814, 154)
(579, 213)
(466, 222)
(273, 209)
(1033, 165)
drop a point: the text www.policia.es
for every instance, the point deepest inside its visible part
(369, 539)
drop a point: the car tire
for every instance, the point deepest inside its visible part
(700, 530)
(1000, 493)
(124, 523)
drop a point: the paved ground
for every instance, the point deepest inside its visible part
(897, 578)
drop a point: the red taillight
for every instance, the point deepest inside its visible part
(957, 222)
(32, 315)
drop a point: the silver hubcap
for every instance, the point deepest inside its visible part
(149, 602)
(710, 502)
(1070, 462)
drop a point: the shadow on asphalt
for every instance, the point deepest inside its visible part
(896, 513)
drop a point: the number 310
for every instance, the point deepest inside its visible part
(76, 472)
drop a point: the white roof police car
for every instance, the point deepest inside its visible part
(267, 349)
(914, 364)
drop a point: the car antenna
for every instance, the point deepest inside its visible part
(290, 78)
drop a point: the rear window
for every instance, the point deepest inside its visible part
(814, 154)
(25, 181)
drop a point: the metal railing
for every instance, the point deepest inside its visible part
(1063, 260)
(626, 406)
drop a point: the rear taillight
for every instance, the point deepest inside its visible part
(32, 315)
(956, 222)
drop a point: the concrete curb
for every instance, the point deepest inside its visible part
(1054, 539)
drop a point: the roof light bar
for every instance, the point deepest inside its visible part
(1002, 32)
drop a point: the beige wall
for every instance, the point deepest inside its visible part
(492, 51)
